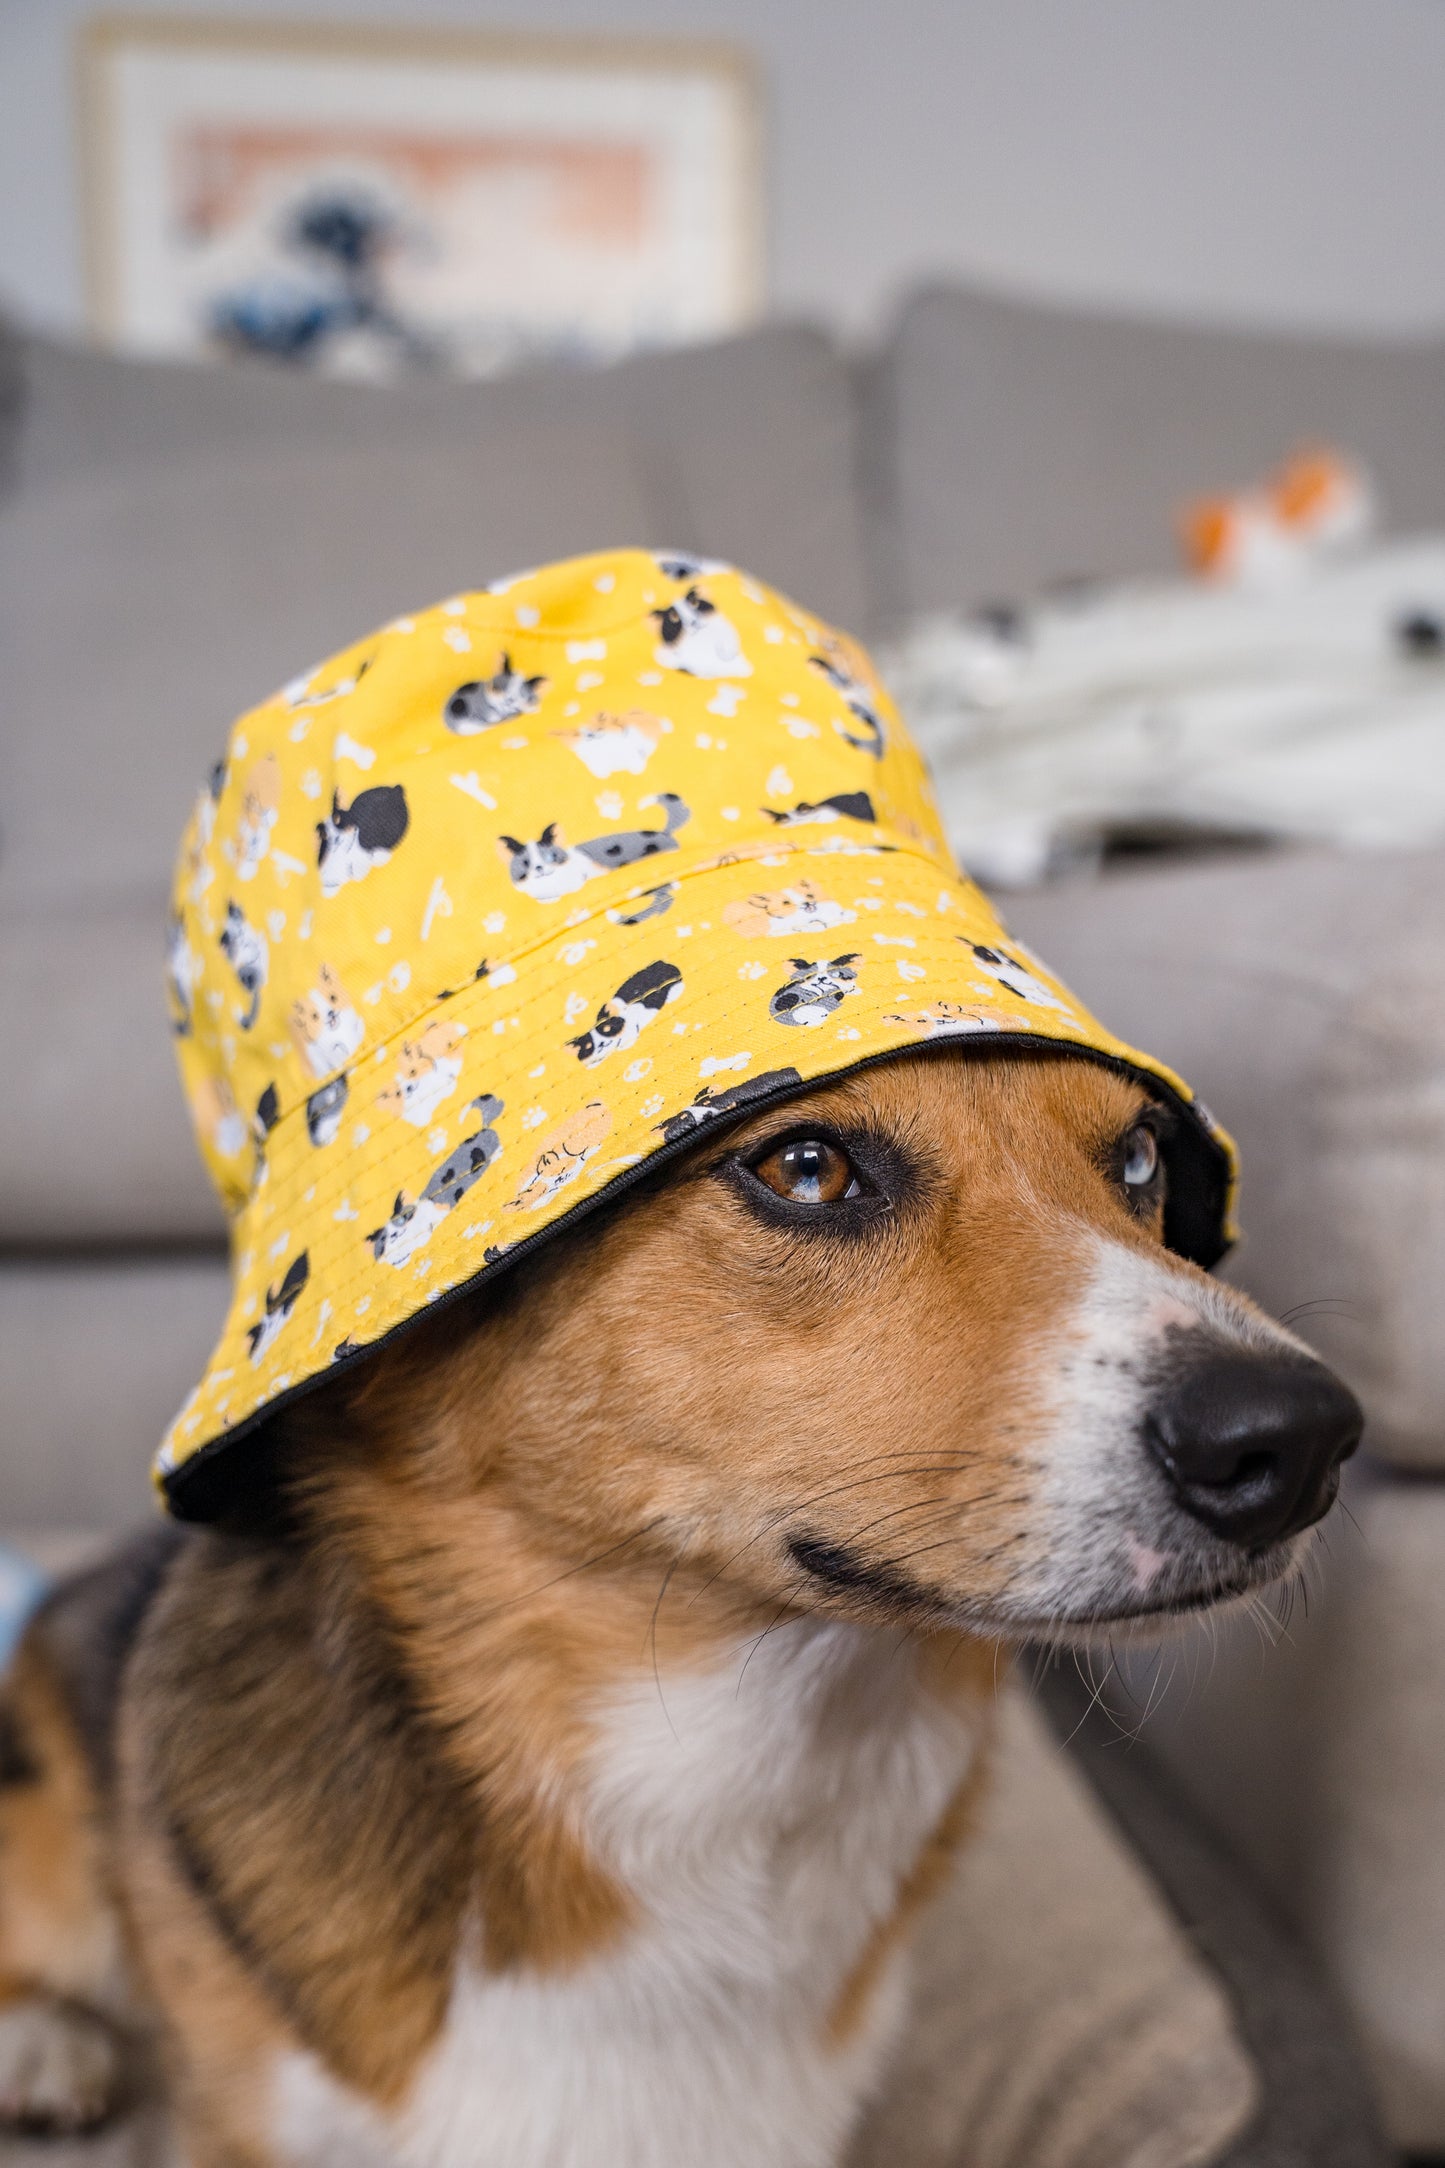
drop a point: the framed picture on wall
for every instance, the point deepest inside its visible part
(365, 200)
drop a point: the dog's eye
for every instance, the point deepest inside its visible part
(1138, 1157)
(809, 1171)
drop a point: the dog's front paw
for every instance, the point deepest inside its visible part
(59, 2068)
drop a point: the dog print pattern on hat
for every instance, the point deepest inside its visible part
(526, 888)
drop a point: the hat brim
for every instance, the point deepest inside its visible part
(555, 1097)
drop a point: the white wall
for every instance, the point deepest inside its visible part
(1260, 159)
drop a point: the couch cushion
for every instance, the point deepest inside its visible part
(95, 1144)
(94, 1361)
(1374, 1865)
(1298, 994)
(744, 449)
(1016, 444)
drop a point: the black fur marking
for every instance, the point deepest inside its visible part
(18, 1763)
(839, 1568)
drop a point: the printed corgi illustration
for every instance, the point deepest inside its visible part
(697, 639)
(244, 948)
(183, 967)
(260, 805)
(709, 1105)
(482, 703)
(325, 1026)
(853, 805)
(413, 1223)
(304, 692)
(552, 868)
(353, 838)
(636, 1003)
(218, 1118)
(653, 903)
(427, 1073)
(324, 1110)
(945, 1019)
(282, 1297)
(1016, 977)
(859, 697)
(814, 991)
(561, 1156)
(785, 913)
(615, 744)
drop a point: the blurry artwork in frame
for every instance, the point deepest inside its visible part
(364, 201)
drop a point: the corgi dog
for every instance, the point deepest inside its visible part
(561, 1156)
(428, 1070)
(610, 745)
(554, 1771)
(551, 868)
(353, 838)
(482, 703)
(326, 1027)
(785, 913)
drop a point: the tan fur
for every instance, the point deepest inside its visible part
(352, 1743)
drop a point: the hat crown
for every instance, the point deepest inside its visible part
(516, 742)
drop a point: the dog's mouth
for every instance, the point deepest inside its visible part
(881, 1590)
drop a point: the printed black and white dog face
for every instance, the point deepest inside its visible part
(482, 703)
(244, 948)
(814, 991)
(696, 638)
(638, 1001)
(413, 1222)
(354, 838)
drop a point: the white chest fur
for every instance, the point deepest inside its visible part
(763, 1817)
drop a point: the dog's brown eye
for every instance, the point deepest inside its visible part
(1139, 1157)
(809, 1171)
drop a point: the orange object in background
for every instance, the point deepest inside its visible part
(1318, 501)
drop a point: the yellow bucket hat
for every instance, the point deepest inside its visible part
(508, 902)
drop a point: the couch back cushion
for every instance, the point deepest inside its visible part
(1298, 993)
(1014, 444)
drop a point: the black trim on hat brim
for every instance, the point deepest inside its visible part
(201, 1487)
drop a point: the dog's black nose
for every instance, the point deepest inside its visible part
(1252, 1443)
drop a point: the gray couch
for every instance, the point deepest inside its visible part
(173, 542)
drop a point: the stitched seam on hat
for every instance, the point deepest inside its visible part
(718, 863)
